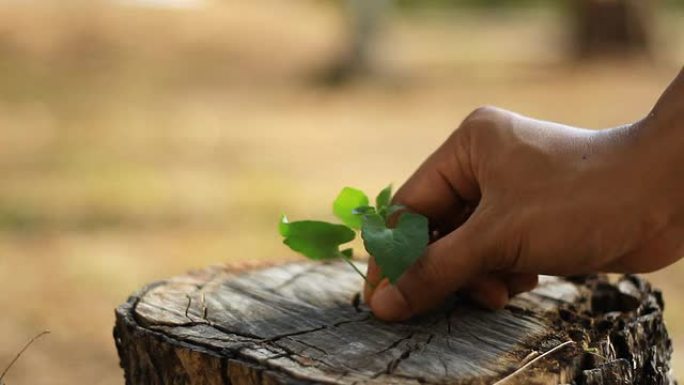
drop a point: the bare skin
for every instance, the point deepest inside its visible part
(510, 197)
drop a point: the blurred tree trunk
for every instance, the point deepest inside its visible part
(609, 27)
(363, 17)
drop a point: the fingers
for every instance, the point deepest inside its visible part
(521, 282)
(429, 193)
(373, 276)
(489, 291)
(442, 188)
(445, 189)
(448, 264)
(448, 180)
(494, 290)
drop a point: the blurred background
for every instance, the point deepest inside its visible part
(143, 138)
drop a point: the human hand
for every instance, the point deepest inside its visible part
(509, 197)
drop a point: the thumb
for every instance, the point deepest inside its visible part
(449, 264)
(373, 279)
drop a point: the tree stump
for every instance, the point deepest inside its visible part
(299, 323)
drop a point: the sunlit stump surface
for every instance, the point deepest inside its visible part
(298, 323)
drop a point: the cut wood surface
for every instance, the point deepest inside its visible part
(297, 323)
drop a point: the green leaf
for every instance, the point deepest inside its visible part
(383, 199)
(348, 252)
(345, 203)
(283, 225)
(315, 239)
(364, 210)
(395, 249)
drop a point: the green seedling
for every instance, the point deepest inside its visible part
(395, 248)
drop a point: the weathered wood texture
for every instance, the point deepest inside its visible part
(297, 324)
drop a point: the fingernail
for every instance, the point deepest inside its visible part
(389, 304)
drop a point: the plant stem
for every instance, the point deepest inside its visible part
(349, 261)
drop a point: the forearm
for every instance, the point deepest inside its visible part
(609, 200)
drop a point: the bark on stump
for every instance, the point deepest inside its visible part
(297, 323)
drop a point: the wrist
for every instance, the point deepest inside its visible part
(666, 120)
(660, 153)
(646, 161)
(655, 150)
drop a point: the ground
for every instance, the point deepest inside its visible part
(137, 143)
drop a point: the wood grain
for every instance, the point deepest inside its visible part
(296, 323)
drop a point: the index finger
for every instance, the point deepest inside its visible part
(443, 188)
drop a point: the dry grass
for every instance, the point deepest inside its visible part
(139, 143)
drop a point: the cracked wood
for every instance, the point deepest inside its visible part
(297, 323)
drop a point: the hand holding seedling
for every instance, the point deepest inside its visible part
(511, 197)
(508, 197)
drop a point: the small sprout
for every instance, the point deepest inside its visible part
(346, 202)
(383, 199)
(394, 249)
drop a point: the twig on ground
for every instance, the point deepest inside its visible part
(4, 373)
(527, 365)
